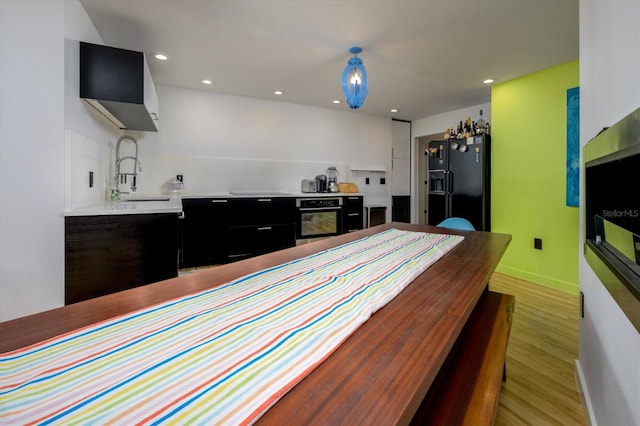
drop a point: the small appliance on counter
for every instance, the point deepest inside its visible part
(332, 181)
(308, 185)
(176, 185)
(321, 183)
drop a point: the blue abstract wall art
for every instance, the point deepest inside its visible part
(573, 147)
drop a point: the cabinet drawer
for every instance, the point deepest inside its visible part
(353, 223)
(261, 211)
(352, 203)
(249, 241)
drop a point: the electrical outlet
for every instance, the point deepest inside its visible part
(366, 181)
(383, 181)
(537, 243)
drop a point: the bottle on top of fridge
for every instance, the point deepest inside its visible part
(481, 124)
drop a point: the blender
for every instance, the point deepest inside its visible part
(332, 179)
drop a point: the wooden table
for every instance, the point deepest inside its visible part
(379, 375)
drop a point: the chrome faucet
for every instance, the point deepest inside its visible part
(122, 177)
(135, 173)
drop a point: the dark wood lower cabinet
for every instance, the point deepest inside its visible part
(204, 232)
(106, 254)
(220, 230)
(249, 241)
(111, 253)
(352, 216)
(401, 208)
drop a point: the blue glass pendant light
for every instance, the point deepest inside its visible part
(354, 80)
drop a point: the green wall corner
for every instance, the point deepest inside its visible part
(528, 173)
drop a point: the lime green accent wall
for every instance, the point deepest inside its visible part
(528, 135)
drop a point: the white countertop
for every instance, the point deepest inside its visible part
(174, 203)
(270, 194)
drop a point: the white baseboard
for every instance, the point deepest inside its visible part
(584, 395)
(568, 287)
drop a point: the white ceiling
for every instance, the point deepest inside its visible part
(422, 57)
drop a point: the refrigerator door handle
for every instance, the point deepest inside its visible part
(450, 189)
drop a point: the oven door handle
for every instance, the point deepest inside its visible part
(315, 209)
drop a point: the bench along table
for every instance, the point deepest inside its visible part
(383, 371)
(467, 388)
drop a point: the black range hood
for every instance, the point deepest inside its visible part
(117, 82)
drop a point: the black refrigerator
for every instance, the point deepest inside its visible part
(459, 181)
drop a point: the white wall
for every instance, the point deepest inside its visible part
(609, 90)
(31, 156)
(222, 143)
(432, 125)
(33, 117)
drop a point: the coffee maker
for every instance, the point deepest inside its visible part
(332, 179)
(321, 183)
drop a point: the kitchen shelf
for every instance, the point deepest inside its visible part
(368, 168)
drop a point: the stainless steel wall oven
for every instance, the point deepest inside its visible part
(319, 217)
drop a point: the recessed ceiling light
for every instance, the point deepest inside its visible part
(277, 92)
(161, 57)
(336, 101)
(488, 81)
(206, 81)
(394, 110)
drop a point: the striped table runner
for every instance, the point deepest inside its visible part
(223, 356)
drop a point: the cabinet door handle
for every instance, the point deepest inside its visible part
(354, 214)
(219, 201)
(239, 255)
(354, 198)
(264, 200)
(264, 228)
(314, 209)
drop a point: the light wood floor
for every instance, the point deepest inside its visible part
(543, 346)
